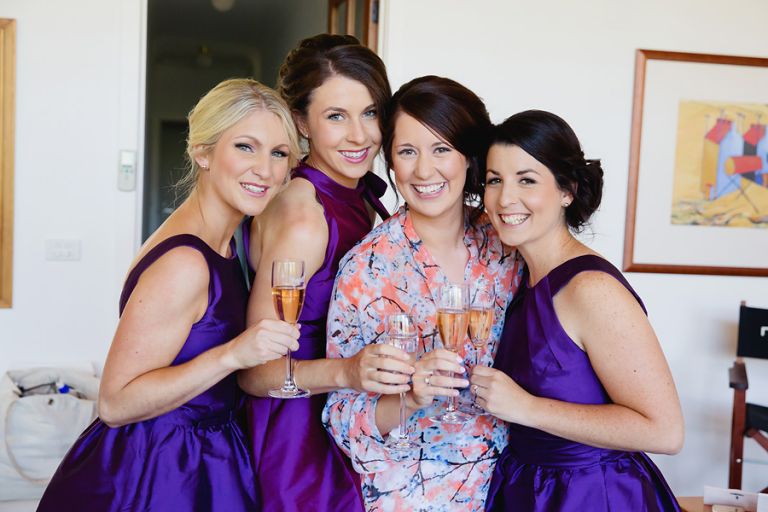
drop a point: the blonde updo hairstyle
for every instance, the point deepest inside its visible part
(221, 108)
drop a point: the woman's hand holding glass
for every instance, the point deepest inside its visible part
(452, 319)
(482, 303)
(402, 334)
(265, 341)
(380, 368)
(434, 377)
(288, 289)
(501, 396)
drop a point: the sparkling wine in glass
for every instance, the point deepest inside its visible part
(401, 333)
(481, 307)
(288, 298)
(452, 320)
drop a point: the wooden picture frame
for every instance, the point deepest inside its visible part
(692, 206)
(7, 130)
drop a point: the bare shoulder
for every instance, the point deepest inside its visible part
(293, 225)
(182, 267)
(295, 206)
(595, 305)
(594, 289)
(298, 196)
(180, 274)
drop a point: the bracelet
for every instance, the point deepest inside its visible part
(294, 363)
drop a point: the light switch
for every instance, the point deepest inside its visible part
(126, 173)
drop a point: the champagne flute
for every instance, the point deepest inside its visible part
(401, 333)
(288, 298)
(481, 305)
(452, 319)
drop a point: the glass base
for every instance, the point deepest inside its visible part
(399, 447)
(452, 417)
(472, 409)
(288, 393)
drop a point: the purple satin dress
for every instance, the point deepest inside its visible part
(540, 472)
(298, 465)
(194, 458)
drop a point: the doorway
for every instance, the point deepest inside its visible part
(191, 46)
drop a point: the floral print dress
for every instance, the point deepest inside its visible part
(390, 270)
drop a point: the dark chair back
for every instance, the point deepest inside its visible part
(753, 332)
(747, 420)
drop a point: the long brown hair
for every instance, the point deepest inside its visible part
(320, 57)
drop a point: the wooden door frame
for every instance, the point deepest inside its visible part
(7, 132)
(370, 35)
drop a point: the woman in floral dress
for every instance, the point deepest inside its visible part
(434, 142)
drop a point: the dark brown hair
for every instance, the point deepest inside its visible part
(320, 57)
(551, 141)
(454, 113)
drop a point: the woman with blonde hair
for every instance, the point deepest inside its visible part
(167, 436)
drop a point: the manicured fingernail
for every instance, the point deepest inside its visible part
(459, 359)
(455, 392)
(465, 383)
(462, 370)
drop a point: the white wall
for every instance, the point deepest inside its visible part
(78, 86)
(576, 59)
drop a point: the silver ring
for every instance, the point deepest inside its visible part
(426, 380)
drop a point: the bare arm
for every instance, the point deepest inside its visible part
(293, 227)
(602, 316)
(170, 296)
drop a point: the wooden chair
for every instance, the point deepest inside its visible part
(747, 420)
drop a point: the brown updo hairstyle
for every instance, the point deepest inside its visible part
(456, 115)
(551, 141)
(318, 58)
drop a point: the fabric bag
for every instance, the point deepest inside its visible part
(42, 412)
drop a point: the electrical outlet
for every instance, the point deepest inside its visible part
(62, 250)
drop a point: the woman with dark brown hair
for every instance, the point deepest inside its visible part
(580, 375)
(435, 142)
(337, 90)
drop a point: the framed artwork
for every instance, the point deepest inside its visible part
(7, 95)
(697, 200)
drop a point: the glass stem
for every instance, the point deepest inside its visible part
(451, 399)
(289, 383)
(403, 426)
(477, 362)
